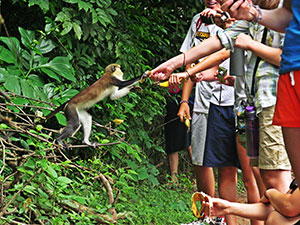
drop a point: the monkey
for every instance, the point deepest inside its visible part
(111, 84)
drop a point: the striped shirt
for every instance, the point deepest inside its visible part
(267, 74)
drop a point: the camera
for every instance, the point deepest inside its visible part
(207, 20)
(221, 74)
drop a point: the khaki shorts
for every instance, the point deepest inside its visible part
(272, 153)
(198, 137)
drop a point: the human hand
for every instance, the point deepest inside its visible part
(218, 207)
(208, 12)
(223, 19)
(184, 110)
(164, 70)
(197, 77)
(176, 78)
(241, 9)
(227, 80)
(243, 41)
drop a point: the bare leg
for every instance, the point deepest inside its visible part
(275, 218)
(291, 137)
(173, 163)
(279, 179)
(227, 188)
(260, 184)
(205, 179)
(248, 178)
(190, 152)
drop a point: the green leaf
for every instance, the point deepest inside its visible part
(77, 30)
(153, 180)
(3, 74)
(30, 189)
(79, 199)
(50, 73)
(67, 27)
(84, 5)
(142, 173)
(72, 1)
(29, 163)
(39, 127)
(64, 180)
(12, 84)
(45, 46)
(12, 43)
(61, 119)
(35, 80)
(43, 4)
(61, 66)
(42, 193)
(27, 37)
(27, 89)
(7, 56)
(51, 172)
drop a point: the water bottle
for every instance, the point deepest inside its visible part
(252, 132)
(237, 62)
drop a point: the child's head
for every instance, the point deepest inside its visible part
(212, 4)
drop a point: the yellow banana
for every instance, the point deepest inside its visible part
(164, 84)
(118, 121)
(187, 122)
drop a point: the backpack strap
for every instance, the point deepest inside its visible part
(263, 40)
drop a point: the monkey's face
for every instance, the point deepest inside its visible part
(114, 70)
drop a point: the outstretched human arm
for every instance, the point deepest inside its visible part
(275, 19)
(204, 70)
(286, 204)
(205, 48)
(269, 54)
(258, 211)
(212, 60)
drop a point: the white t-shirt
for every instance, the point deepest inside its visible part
(207, 92)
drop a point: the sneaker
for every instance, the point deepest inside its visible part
(220, 220)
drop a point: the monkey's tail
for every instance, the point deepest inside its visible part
(58, 109)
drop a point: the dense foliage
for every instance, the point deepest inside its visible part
(49, 51)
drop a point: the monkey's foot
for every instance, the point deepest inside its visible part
(62, 144)
(136, 88)
(93, 144)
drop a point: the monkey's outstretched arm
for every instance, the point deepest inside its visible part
(125, 83)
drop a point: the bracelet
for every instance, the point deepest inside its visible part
(188, 73)
(266, 195)
(257, 18)
(184, 101)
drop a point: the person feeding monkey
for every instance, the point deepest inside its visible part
(111, 84)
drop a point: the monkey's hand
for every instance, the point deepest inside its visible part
(145, 75)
